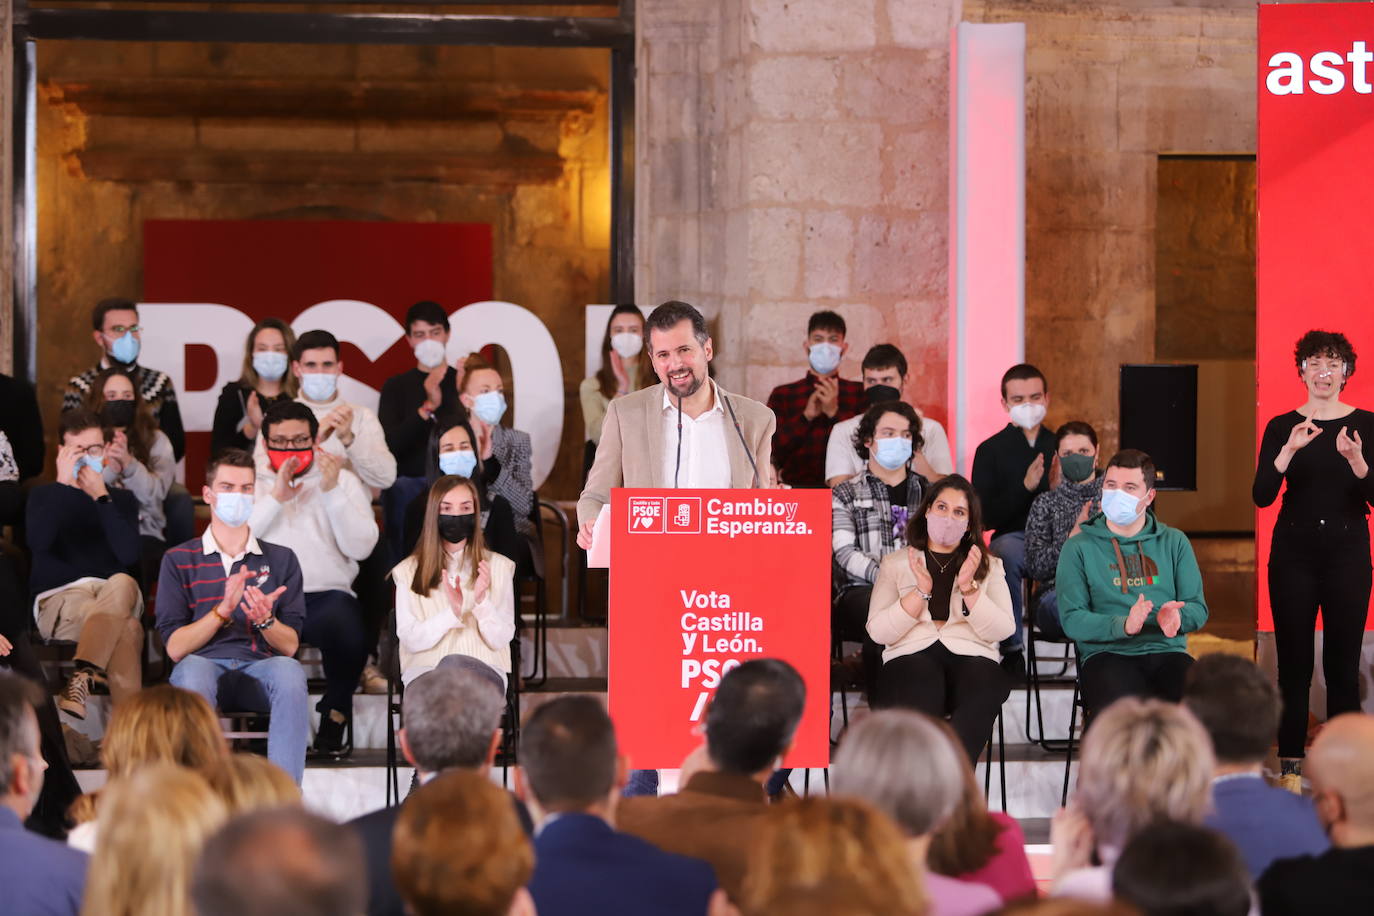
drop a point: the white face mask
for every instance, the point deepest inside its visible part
(1027, 416)
(627, 344)
(825, 358)
(429, 353)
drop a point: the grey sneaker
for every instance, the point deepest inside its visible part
(74, 695)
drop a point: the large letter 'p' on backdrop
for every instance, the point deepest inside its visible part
(701, 581)
(1316, 206)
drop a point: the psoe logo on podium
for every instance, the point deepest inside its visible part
(684, 515)
(646, 515)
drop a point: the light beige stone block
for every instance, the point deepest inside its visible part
(794, 87)
(829, 251)
(813, 25)
(835, 164)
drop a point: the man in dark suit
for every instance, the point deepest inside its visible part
(571, 773)
(39, 876)
(750, 726)
(452, 719)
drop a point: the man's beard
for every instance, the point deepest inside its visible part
(693, 386)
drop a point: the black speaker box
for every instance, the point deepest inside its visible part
(1159, 417)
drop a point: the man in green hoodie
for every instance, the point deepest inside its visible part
(1129, 591)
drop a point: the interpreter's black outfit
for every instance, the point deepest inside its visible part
(1319, 558)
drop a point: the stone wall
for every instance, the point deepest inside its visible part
(513, 137)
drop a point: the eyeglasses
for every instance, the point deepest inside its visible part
(295, 442)
(95, 451)
(120, 330)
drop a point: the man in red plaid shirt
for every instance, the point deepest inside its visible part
(808, 408)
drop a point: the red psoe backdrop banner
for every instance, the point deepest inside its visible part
(701, 581)
(1316, 236)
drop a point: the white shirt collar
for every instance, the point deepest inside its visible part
(209, 545)
(671, 404)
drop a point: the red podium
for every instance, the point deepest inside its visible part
(701, 581)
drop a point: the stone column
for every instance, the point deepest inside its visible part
(794, 156)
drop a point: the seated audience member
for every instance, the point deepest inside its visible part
(884, 379)
(452, 721)
(905, 766)
(83, 538)
(163, 724)
(1239, 707)
(138, 458)
(621, 372)
(312, 505)
(1056, 515)
(1010, 469)
(750, 726)
(452, 450)
(1340, 765)
(572, 773)
(411, 405)
(815, 841)
(38, 876)
(453, 595)
(119, 336)
(280, 862)
(1182, 870)
(503, 452)
(1131, 627)
(350, 431)
(247, 782)
(981, 846)
(152, 826)
(1143, 761)
(21, 431)
(869, 519)
(459, 848)
(262, 382)
(808, 408)
(938, 609)
(231, 608)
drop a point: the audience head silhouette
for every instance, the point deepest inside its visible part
(1341, 767)
(754, 716)
(452, 720)
(1171, 869)
(903, 764)
(21, 763)
(568, 755)
(1237, 704)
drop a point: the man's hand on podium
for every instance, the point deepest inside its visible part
(584, 534)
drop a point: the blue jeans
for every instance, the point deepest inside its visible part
(1047, 614)
(275, 686)
(1011, 549)
(641, 782)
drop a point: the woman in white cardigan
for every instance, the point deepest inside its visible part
(939, 609)
(453, 595)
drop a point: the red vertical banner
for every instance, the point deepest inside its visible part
(701, 581)
(1316, 238)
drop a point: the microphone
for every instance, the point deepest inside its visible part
(677, 464)
(744, 442)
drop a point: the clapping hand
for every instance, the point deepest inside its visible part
(964, 581)
(622, 378)
(917, 559)
(233, 591)
(1139, 611)
(1071, 837)
(253, 411)
(117, 452)
(339, 420)
(1035, 473)
(828, 395)
(330, 465)
(482, 586)
(257, 606)
(1169, 618)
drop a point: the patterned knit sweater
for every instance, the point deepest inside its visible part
(1051, 519)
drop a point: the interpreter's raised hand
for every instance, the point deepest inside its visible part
(1138, 613)
(233, 591)
(584, 534)
(482, 586)
(330, 465)
(91, 482)
(917, 560)
(252, 409)
(1301, 434)
(257, 606)
(1071, 837)
(67, 457)
(1352, 450)
(970, 568)
(1036, 472)
(1169, 618)
(282, 490)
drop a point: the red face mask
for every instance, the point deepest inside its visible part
(304, 458)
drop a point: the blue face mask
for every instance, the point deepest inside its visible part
(460, 463)
(1120, 507)
(825, 358)
(233, 508)
(125, 348)
(490, 407)
(892, 453)
(94, 462)
(269, 364)
(319, 386)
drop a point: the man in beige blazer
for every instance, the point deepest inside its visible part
(686, 431)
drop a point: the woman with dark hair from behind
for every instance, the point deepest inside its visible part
(1171, 869)
(939, 608)
(263, 381)
(621, 372)
(453, 450)
(1320, 549)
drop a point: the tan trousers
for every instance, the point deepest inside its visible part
(102, 616)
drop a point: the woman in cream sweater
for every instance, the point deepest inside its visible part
(939, 609)
(453, 595)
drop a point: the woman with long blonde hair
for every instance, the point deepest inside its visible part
(159, 724)
(153, 824)
(453, 595)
